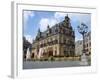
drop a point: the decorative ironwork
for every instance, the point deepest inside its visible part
(83, 29)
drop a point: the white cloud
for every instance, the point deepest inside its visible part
(52, 22)
(29, 38)
(28, 14)
(59, 15)
(79, 38)
(44, 22)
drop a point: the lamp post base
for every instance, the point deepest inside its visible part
(84, 60)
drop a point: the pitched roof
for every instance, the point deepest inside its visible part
(52, 29)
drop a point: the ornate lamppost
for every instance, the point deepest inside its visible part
(83, 29)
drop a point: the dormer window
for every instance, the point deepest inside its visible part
(49, 30)
(39, 34)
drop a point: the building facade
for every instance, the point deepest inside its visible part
(78, 47)
(88, 43)
(59, 40)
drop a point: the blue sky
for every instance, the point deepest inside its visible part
(33, 20)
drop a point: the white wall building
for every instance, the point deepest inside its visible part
(78, 47)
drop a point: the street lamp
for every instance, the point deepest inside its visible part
(83, 29)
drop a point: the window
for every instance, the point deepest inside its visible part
(56, 30)
(65, 41)
(87, 45)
